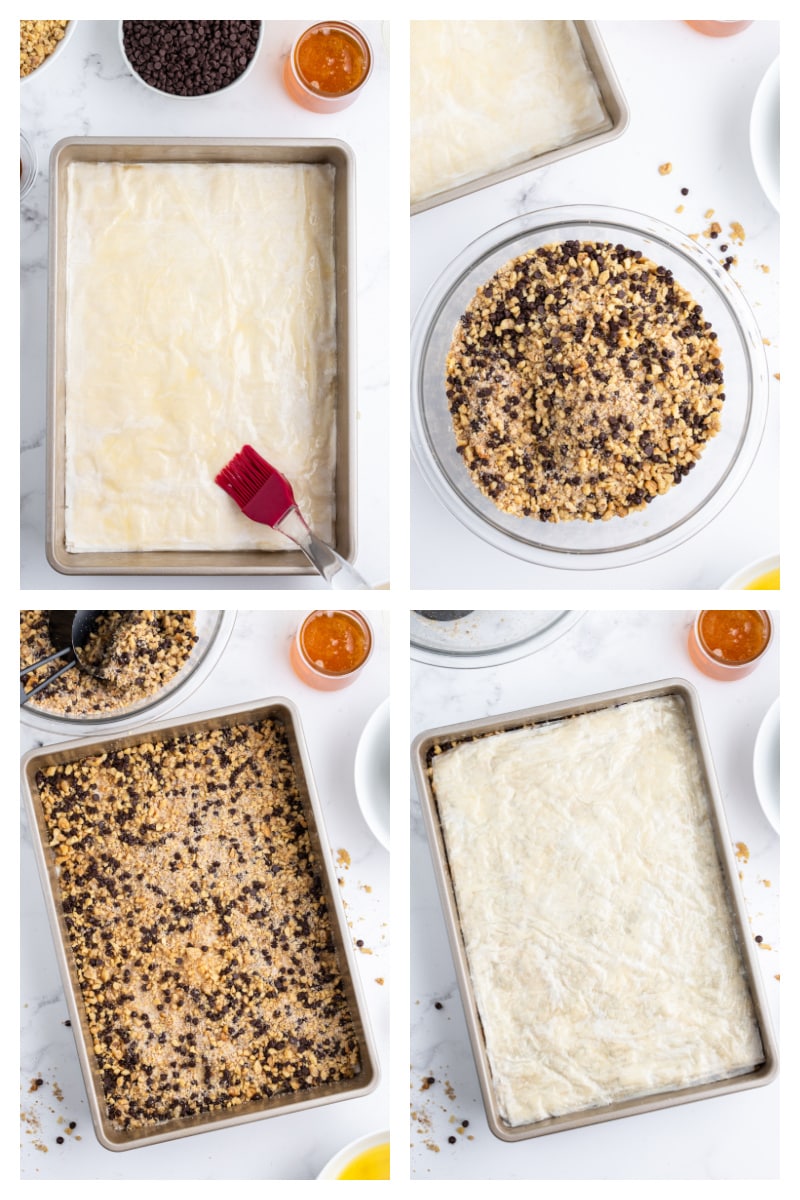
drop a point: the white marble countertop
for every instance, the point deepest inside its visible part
(690, 99)
(731, 1137)
(254, 665)
(89, 91)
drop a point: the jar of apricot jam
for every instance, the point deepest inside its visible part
(331, 648)
(328, 66)
(729, 643)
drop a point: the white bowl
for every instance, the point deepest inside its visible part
(59, 50)
(205, 96)
(753, 570)
(767, 765)
(765, 134)
(334, 1167)
(372, 773)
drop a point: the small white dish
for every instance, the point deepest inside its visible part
(51, 58)
(767, 765)
(754, 570)
(334, 1167)
(765, 134)
(372, 773)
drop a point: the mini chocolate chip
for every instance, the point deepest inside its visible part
(451, 1140)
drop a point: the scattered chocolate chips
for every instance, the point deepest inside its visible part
(190, 58)
(438, 1004)
(452, 1140)
(60, 1140)
(759, 938)
(684, 191)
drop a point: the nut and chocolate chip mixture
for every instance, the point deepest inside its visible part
(583, 381)
(198, 924)
(38, 40)
(135, 655)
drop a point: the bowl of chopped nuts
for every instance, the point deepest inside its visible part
(40, 44)
(148, 661)
(589, 387)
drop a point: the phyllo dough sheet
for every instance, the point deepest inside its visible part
(489, 94)
(201, 316)
(593, 910)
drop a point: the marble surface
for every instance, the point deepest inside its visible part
(254, 666)
(730, 1137)
(89, 91)
(694, 114)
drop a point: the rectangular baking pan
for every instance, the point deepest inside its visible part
(198, 150)
(423, 747)
(614, 103)
(285, 712)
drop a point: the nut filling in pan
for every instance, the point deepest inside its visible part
(583, 381)
(198, 923)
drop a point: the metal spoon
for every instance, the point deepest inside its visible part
(70, 629)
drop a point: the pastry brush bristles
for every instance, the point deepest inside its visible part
(244, 475)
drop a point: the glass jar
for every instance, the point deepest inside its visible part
(729, 643)
(328, 66)
(331, 648)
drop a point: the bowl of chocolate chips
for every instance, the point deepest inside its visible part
(188, 59)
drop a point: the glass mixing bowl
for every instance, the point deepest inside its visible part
(485, 638)
(672, 518)
(214, 627)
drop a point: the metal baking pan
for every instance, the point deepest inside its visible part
(112, 1138)
(425, 744)
(617, 116)
(218, 150)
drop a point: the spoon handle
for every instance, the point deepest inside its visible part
(24, 696)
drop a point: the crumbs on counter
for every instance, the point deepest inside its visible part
(777, 977)
(777, 375)
(742, 852)
(665, 168)
(32, 1117)
(424, 1122)
(764, 268)
(679, 209)
(343, 859)
(380, 980)
(737, 233)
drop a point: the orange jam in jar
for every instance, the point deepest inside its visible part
(728, 643)
(330, 648)
(328, 65)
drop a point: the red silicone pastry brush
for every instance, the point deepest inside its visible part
(266, 496)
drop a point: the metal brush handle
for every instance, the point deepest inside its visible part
(331, 566)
